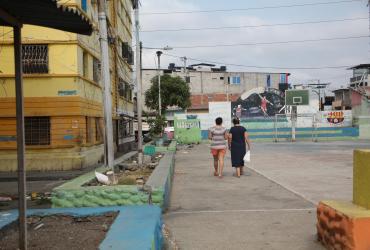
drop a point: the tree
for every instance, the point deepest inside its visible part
(174, 92)
(156, 125)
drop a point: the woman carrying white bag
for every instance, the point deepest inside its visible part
(238, 139)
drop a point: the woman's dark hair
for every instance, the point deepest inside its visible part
(236, 121)
(218, 121)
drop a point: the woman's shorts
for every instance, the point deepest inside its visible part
(218, 152)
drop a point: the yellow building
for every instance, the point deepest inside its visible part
(63, 91)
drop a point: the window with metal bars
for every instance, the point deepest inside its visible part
(124, 89)
(98, 130)
(127, 53)
(35, 59)
(96, 70)
(123, 128)
(121, 87)
(37, 130)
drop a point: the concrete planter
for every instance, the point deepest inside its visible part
(157, 188)
(134, 227)
(161, 178)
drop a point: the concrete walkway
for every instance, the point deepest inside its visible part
(252, 212)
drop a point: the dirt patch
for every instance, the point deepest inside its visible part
(129, 173)
(139, 176)
(60, 232)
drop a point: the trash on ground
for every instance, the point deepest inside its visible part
(38, 226)
(5, 198)
(102, 178)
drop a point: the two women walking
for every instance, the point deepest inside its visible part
(236, 140)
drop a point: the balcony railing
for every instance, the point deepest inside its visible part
(357, 78)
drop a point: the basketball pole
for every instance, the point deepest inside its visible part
(294, 120)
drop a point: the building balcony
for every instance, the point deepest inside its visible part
(355, 79)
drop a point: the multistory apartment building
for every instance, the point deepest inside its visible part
(63, 102)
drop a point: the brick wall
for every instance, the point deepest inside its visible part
(202, 100)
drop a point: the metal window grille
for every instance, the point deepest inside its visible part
(124, 89)
(121, 87)
(123, 128)
(98, 130)
(128, 91)
(89, 131)
(85, 64)
(128, 53)
(96, 70)
(35, 59)
(37, 130)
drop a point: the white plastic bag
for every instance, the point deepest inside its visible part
(102, 178)
(247, 156)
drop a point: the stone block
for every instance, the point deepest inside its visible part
(361, 178)
(343, 225)
(364, 131)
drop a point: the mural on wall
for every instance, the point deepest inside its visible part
(336, 117)
(341, 118)
(265, 104)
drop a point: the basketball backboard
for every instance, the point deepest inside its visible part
(297, 97)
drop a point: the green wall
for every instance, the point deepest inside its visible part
(187, 131)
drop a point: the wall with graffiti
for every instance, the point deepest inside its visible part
(259, 105)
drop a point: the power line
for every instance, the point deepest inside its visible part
(259, 67)
(256, 26)
(251, 8)
(268, 43)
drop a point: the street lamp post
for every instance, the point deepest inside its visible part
(159, 53)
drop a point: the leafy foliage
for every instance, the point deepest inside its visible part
(156, 125)
(174, 92)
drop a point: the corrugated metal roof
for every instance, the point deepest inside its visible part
(47, 13)
(361, 66)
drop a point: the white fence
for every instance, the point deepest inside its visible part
(309, 124)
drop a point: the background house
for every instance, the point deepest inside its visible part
(342, 99)
(209, 83)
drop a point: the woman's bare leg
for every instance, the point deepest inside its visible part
(220, 164)
(238, 172)
(215, 165)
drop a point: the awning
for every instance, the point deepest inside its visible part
(46, 13)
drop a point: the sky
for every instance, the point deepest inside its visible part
(285, 56)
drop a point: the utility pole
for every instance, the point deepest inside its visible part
(108, 135)
(368, 5)
(318, 81)
(184, 59)
(21, 148)
(159, 53)
(294, 122)
(138, 85)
